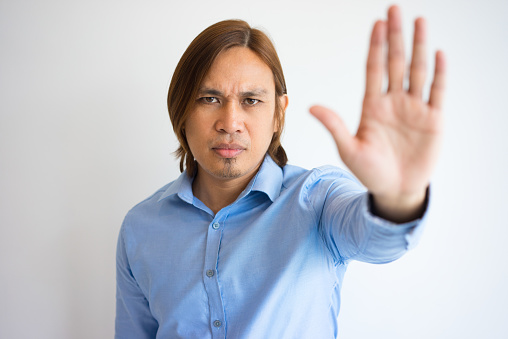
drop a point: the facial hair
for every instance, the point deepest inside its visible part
(229, 171)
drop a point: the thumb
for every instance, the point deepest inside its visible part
(335, 125)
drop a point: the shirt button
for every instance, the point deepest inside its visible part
(215, 225)
(210, 273)
(217, 323)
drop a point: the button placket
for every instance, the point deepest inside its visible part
(210, 277)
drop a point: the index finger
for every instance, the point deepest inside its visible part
(376, 60)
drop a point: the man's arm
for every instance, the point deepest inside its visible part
(133, 317)
(351, 230)
(397, 142)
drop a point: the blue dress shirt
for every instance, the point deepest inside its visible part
(270, 265)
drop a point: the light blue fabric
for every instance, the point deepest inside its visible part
(270, 265)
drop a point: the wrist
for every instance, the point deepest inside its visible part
(400, 208)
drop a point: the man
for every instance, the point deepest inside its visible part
(243, 245)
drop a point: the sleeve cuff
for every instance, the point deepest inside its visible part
(412, 229)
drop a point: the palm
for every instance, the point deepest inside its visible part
(397, 141)
(396, 145)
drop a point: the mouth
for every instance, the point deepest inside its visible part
(228, 150)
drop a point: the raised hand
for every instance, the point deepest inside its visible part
(398, 138)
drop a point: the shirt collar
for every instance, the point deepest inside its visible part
(268, 180)
(181, 186)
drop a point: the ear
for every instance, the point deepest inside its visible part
(283, 102)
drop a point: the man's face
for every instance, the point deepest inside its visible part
(232, 122)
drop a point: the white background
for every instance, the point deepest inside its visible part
(84, 135)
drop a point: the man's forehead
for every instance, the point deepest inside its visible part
(243, 90)
(239, 69)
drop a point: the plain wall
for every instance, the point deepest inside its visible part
(84, 135)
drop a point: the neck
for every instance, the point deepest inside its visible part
(217, 193)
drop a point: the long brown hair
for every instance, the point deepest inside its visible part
(195, 63)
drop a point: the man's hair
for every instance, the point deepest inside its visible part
(195, 63)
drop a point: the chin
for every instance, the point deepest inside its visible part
(229, 169)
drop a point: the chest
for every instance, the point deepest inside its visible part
(237, 267)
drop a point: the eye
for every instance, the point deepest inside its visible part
(210, 100)
(251, 102)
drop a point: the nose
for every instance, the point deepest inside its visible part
(230, 119)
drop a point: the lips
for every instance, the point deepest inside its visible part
(228, 150)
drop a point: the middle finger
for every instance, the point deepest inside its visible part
(395, 50)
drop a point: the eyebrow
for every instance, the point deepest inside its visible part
(215, 92)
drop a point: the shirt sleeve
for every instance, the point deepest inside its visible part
(348, 227)
(133, 317)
